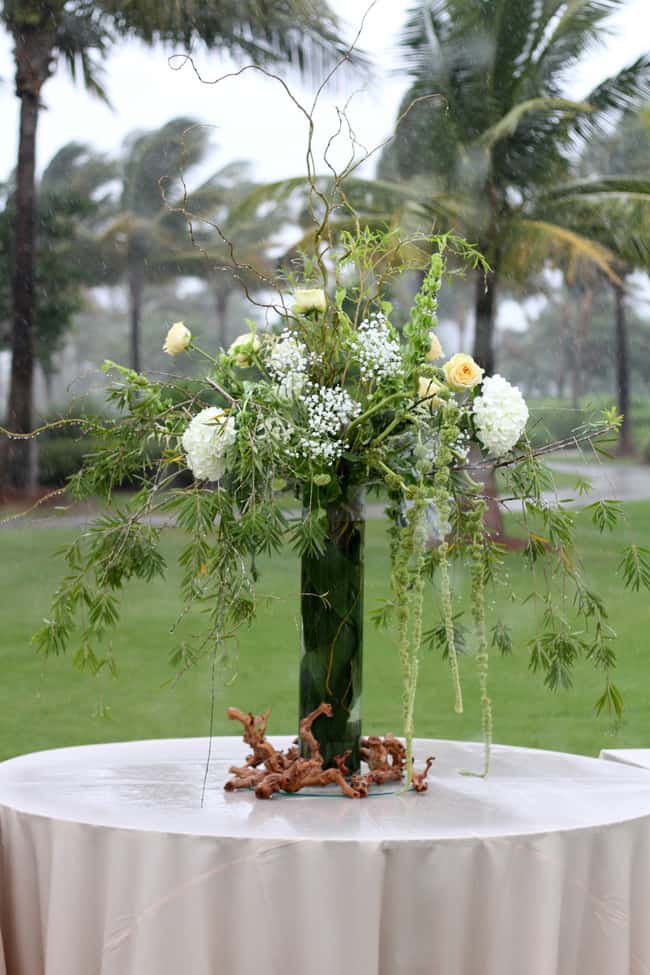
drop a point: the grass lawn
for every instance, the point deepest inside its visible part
(46, 703)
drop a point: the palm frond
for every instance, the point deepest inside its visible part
(508, 124)
(82, 39)
(632, 187)
(534, 241)
(304, 33)
(625, 91)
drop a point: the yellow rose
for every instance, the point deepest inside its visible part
(312, 299)
(461, 372)
(435, 350)
(244, 348)
(428, 390)
(178, 339)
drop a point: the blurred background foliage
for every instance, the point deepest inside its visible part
(556, 192)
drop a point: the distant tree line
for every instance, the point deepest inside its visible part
(79, 33)
(500, 153)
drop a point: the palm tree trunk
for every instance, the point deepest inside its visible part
(583, 327)
(136, 288)
(221, 307)
(33, 53)
(461, 320)
(564, 359)
(625, 445)
(485, 309)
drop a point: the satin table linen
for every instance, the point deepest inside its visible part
(640, 757)
(111, 866)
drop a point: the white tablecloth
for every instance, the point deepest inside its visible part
(640, 757)
(111, 867)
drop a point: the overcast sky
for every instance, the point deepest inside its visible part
(253, 118)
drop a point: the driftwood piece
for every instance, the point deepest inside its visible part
(268, 770)
(419, 779)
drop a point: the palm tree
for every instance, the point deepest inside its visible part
(145, 240)
(69, 202)
(625, 149)
(80, 31)
(490, 152)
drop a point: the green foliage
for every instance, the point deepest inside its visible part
(605, 513)
(502, 638)
(60, 458)
(635, 567)
(485, 139)
(68, 201)
(436, 637)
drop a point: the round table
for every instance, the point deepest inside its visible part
(111, 866)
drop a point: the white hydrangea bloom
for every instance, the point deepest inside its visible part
(377, 352)
(500, 415)
(205, 442)
(329, 410)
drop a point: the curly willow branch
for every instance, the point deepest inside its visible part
(336, 197)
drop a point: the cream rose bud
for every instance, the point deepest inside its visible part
(310, 299)
(244, 348)
(435, 349)
(428, 390)
(461, 372)
(178, 339)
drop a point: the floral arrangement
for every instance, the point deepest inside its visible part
(337, 397)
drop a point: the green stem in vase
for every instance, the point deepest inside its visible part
(416, 607)
(478, 612)
(332, 631)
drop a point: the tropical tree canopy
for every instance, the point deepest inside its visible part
(489, 145)
(70, 201)
(302, 32)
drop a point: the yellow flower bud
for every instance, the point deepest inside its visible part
(178, 339)
(311, 299)
(435, 350)
(243, 348)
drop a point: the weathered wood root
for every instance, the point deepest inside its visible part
(290, 772)
(419, 779)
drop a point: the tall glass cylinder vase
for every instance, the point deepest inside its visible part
(332, 631)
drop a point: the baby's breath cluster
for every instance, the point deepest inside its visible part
(328, 412)
(288, 361)
(376, 350)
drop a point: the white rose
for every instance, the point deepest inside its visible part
(310, 299)
(500, 415)
(206, 441)
(178, 339)
(244, 348)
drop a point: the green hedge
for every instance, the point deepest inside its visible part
(60, 457)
